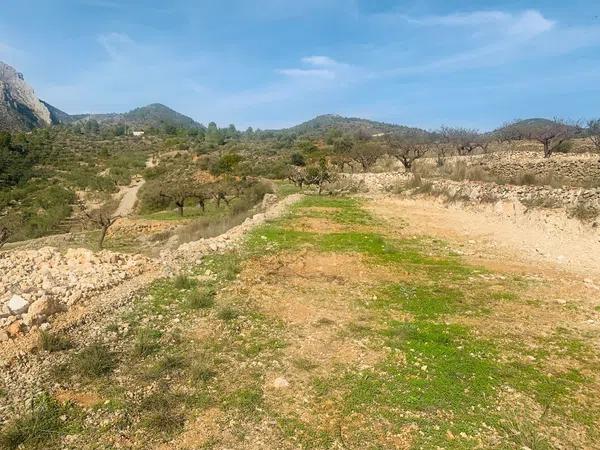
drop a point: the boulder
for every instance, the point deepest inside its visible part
(17, 304)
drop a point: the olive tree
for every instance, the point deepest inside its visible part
(318, 175)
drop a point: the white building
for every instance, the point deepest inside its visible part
(138, 133)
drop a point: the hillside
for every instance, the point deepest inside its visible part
(154, 115)
(320, 125)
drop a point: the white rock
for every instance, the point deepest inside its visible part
(17, 304)
(3, 336)
(281, 383)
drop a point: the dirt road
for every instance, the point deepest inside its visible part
(128, 196)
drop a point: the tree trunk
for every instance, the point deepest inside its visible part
(102, 236)
(180, 208)
(547, 151)
(202, 205)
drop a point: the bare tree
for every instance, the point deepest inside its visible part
(407, 148)
(463, 139)
(594, 132)
(102, 218)
(366, 153)
(318, 175)
(550, 133)
(180, 186)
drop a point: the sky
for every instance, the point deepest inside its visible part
(276, 63)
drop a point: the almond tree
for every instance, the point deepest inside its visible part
(407, 148)
(102, 217)
(366, 153)
(465, 140)
(550, 133)
(318, 175)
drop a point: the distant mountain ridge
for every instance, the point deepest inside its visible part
(154, 115)
(320, 125)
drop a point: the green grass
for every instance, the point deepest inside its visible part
(96, 360)
(201, 298)
(42, 426)
(183, 282)
(247, 399)
(146, 342)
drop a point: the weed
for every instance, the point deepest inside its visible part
(246, 399)
(183, 282)
(202, 373)
(228, 313)
(94, 361)
(146, 342)
(53, 342)
(583, 212)
(201, 298)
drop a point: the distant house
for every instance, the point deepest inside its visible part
(378, 135)
(138, 133)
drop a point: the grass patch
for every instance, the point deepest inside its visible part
(94, 361)
(228, 313)
(247, 400)
(41, 427)
(201, 298)
(183, 282)
(53, 342)
(146, 342)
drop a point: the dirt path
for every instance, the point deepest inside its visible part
(128, 196)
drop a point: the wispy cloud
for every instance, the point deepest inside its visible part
(322, 67)
(525, 23)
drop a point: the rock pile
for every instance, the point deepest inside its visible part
(36, 284)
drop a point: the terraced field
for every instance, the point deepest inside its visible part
(333, 327)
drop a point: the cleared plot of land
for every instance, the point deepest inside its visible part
(336, 328)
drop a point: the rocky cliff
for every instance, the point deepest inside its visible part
(20, 109)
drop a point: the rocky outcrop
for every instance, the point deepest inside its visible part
(20, 109)
(38, 283)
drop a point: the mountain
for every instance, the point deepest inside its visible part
(154, 115)
(320, 125)
(20, 109)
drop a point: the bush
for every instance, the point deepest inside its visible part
(584, 213)
(228, 314)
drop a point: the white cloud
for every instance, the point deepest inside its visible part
(323, 61)
(525, 23)
(308, 73)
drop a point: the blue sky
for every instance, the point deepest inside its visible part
(274, 63)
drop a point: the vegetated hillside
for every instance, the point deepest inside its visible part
(321, 125)
(534, 122)
(20, 109)
(155, 115)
